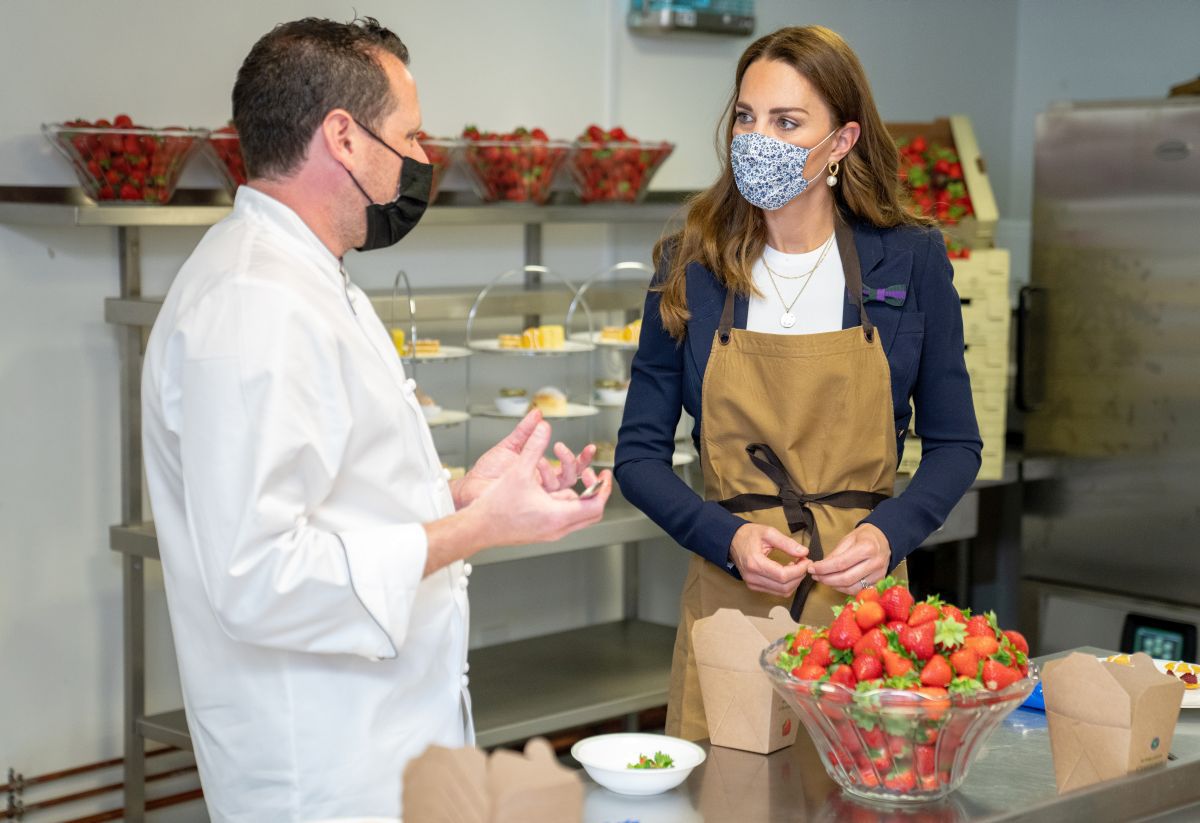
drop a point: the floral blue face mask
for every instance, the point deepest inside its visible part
(769, 173)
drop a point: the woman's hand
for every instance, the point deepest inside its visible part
(749, 549)
(862, 555)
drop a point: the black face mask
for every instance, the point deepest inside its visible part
(388, 223)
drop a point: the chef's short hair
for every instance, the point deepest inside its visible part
(296, 74)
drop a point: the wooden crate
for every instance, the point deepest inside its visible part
(979, 230)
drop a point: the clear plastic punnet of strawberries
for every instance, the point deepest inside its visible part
(899, 696)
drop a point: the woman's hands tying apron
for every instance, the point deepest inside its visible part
(750, 551)
(858, 560)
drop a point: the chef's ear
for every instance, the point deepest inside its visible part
(341, 137)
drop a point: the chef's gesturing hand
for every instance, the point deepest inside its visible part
(749, 549)
(505, 454)
(862, 555)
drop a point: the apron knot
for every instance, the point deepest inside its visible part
(795, 503)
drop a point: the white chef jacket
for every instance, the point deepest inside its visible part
(290, 469)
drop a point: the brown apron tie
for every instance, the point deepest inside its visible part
(795, 503)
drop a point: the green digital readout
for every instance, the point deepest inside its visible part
(1161, 643)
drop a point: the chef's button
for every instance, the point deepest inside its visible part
(466, 681)
(446, 474)
(466, 667)
(463, 582)
(467, 569)
(410, 384)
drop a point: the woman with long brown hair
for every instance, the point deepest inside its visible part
(794, 317)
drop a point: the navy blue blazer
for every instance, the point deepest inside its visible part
(923, 340)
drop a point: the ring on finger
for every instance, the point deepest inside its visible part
(862, 584)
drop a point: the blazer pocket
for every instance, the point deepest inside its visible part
(905, 357)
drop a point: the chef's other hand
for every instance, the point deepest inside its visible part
(502, 456)
(862, 555)
(749, 549)
(518, 509)
(570, 469)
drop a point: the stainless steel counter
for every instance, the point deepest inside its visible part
(1012, 779)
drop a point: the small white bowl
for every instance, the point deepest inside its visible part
(613, 397)
(512, 405)
(606, 758)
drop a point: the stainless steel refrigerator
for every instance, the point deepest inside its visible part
(1110, 377)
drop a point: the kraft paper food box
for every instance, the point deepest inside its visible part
(743, 709)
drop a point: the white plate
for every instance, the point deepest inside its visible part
(606, 757)
(595, 339)
(572, 410)
(1191, 697)
(677, 459)
(444, 353)
(448, 417)
(568, 347)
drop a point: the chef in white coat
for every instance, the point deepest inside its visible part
(313, 547)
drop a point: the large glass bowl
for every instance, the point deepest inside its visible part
(616, 172)
(441, 153)
(226, 153)
(893, 744)
(129, 165)
(514, 170)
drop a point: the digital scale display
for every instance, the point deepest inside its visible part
(1164, 639)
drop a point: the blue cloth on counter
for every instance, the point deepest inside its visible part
(923, 341)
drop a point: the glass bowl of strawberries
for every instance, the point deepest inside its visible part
(440, 151)
(226, 152)
(898, 696)
(612, 167)
(517, 166)
(123, 162)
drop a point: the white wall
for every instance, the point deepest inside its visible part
(544, 62)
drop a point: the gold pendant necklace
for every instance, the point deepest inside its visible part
(787, 319)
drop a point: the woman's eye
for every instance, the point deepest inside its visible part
(743, 117)
(786, 125)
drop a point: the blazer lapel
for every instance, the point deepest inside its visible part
(878, 271)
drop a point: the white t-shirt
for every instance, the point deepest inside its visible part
(818, 309)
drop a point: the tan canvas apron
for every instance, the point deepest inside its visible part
(796, 433)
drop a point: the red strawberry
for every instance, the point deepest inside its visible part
(897, 602)
(980, 626)
(965, 662)
(809, 671)
(820, 654)
(845, 675)
(869, 593)
(872, 642)
(896, 664)
(918, 640)
(997, 676)
(896, 625)
(869, 614)
(984, 646)
(903, 780)
(954, 613)
(1018, 640)
(867, 667)
(937, 672)
(923, 612)
(803, 639)
(926, 765)
(844, 632)
(874, 738)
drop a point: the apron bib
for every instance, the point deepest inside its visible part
(796, 433)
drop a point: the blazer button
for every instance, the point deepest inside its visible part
(466, 681)
(467, 569)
